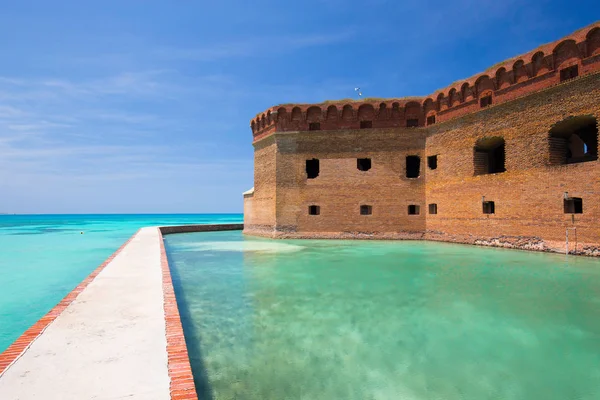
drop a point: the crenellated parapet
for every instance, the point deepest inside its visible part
(575, 55)
(346, 114)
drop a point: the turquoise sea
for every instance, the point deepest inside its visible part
(370, 320)
(43, 257)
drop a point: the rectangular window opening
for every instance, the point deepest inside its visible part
(366, 210)
(366, 124)
(574, 140)
(411, 123)
(413, 166)
(569, 73)
(314, 210)
(431, 120)
(489, 207)
(414, 209)
(314, 126)
(312, 168)
(490, 157)
(363, 164)
(573, 205)
(485, 101)
(433, 208)
(432, 162)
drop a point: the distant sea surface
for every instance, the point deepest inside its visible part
(44, 257)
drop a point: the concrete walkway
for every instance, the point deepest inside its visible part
(109, 343)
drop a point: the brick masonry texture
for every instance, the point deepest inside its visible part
(528, 99)
(180, 371)
(167, 230)
(182, 385)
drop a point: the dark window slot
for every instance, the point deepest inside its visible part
(411, 123)
(569, 73)
(314, 210)
(414, 209)
(489, 156)
(486, 101)
(312, 168)
(432, 162)
(573, 140)
(366, 210)
(573, 205)
(433, 208)
(489, 207)
(413, 166)
(363, 164)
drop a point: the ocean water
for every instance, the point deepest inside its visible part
(324, 320)
(43, 257)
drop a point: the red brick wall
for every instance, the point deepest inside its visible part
(527, 100)
(259, 207)
(528, 196)
(340, 189)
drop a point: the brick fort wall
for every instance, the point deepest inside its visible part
(521, 113)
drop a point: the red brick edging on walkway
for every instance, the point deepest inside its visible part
(180, 371)
(19, 346)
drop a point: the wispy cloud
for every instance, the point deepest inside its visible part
(131, 127)
(253, 47)
(125, 83)
(10, 112)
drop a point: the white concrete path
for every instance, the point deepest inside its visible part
(109, 343)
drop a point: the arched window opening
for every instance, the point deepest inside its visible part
(347, 113)
(296, 114)
(332, 113)
(281, 114)
(395, 110)
(313, 116)
(489, 156)
(574, 140)
(366, 112)
(382, 111)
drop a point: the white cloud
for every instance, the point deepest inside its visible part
(253, 47)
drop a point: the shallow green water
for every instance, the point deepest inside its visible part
(44, 257)
(385, 320)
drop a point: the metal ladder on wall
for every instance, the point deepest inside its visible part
(567, 239)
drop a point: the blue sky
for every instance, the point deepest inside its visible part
(144, 106)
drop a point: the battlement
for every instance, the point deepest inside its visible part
(574, 55)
